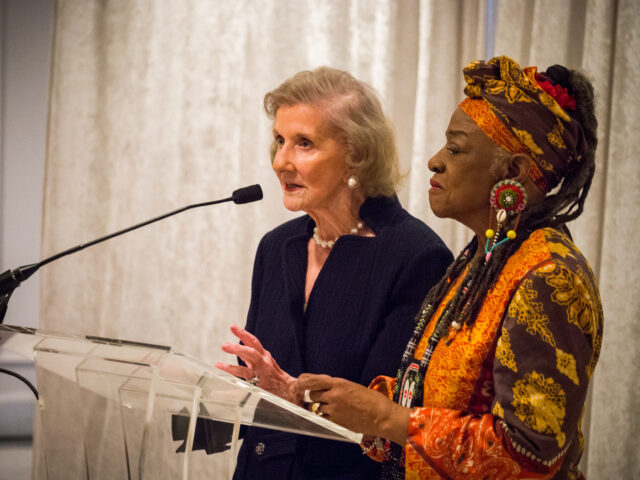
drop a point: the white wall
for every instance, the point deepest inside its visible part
(26, 28)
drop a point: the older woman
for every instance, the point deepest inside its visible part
(493, 381)
(333, 291)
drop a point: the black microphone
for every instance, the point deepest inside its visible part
(247, 194)
(11, 279)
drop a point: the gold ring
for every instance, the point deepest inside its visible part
(315, 408)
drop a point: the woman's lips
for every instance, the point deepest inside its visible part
(434, 185)
(291, 187)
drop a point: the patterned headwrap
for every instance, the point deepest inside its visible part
(522, 111)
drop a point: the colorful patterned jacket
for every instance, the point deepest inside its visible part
(505, 398)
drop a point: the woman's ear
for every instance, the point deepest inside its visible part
(518, 167)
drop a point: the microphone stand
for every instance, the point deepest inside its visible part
(11, 279)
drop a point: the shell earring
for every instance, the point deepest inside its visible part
(507, 198)
(353, 182)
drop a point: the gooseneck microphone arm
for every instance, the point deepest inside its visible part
(11, 279)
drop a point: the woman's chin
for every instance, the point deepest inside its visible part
(436, 207)
(294, 200)
(291, 204)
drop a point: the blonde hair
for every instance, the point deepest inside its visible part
(354, 114)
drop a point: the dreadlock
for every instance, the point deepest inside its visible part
(555, 210)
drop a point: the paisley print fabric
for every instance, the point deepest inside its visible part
(491, 125)
(514, 97)
(504, 399)
(460, 446)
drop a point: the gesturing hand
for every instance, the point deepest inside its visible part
(353, 406)
(259, 362)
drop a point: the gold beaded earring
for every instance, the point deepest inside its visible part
(507, 198)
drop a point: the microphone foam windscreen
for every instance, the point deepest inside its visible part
(247, 194)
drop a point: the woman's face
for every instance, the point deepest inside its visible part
(309, 161)
(463, 176)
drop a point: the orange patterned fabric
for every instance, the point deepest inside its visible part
(503, 399)
(480, 112)
(460, 446)
(454, 370)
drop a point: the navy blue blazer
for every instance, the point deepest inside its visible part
(357, 322)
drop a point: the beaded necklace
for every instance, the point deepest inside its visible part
(330, 243)
(408, 390)
(409, 387)
(410, 376)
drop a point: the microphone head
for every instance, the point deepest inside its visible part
(247, 194)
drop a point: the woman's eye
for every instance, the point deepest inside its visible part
(304, 143)
(452, 151)
(279, 140)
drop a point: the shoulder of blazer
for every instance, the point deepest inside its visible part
(290, 229)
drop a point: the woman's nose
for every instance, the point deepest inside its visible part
(281, 158)
(435, 163)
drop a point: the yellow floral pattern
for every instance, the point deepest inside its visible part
(573, 290)
(511, 92)
(540, 404)
(548, 101)
(559, 237)
(498, 411)
(566, 364)
(527, 140)
(504, 353)
(555, 136)
(597, 344)
(530, 313)
(580, 435)
(560, 248)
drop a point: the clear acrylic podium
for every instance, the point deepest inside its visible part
(106, 406)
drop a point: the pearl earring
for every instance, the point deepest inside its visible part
(353, 182)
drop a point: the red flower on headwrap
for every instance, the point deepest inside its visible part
(558, 92)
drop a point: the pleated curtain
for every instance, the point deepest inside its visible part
(157, 105)
(602, 38)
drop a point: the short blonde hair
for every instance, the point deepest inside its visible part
(354, 113)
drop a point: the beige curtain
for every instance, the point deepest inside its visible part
(451, 35)
(156, 105)
(601, 37)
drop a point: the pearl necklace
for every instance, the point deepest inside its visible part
(330, 243)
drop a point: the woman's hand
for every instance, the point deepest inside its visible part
(259, 362)
(354, 407)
